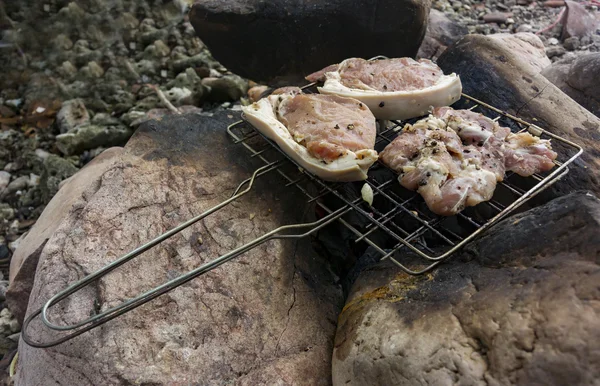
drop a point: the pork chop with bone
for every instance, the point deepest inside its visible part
(330, 136)
(398, 88)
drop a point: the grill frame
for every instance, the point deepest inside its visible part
(242, 132)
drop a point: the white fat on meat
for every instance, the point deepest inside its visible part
(527, 154)
(330, 136)
(399, 88)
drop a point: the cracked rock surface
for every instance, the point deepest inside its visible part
(520, 306)
(267, 317)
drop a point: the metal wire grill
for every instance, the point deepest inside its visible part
(402, 215)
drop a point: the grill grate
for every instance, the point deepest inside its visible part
(401, 215)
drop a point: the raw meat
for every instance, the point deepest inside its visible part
(398, 88)
(432, 160)
(330, 136)
(454, 158)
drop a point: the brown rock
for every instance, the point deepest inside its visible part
(506, 74)
(520, 307)
(72, 195)
(579, 78)
(441, 32)
(280, 42)
(266, 318)
(497, 17)
(577, 21)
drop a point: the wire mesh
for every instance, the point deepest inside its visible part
(400, 215)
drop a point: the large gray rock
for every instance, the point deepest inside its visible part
(285, 40)
(441, 33)
(520, 306)
(266, 318)
(505, 71)
(579, 78)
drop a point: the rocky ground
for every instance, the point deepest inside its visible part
(511, 16)
(78, 79)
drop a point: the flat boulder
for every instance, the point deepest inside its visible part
(282, 41)
(520, 306)
(267, 317)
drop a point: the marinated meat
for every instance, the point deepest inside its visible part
(472, 127)
(454, 158)
(400, 74)
(330, 136)
(432, 160)
(523, 153)
(398, 88)
(328, 125)
(527, 155)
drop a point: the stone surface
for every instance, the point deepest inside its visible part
(72, 114)
(22, 271)
(266, 318)
(283, 41)
(504, 71)
(441, 32)
(577, 21)
(90, 136)
(579, 78)
(520, 306)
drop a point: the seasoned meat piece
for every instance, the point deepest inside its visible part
(398, 88)
(448, 175)
(527, 155)
(330, 136)
(328, 125)
(521, 153)
(472, 127)
(400, 74)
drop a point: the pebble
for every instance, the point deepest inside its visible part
(553, 41)
(17, 184)
(555, 51)
(571, 43)
(72, 114)
(4, 180)
(497, 17)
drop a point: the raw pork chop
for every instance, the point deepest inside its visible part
(330, 136)
(398, 88)
(328, 125)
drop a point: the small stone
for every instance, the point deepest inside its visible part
(510, 20)
(41, 154)
(4, 180)
(92, 70)
(226, 88)
(524, 28)
(555, 51)
(497, 17)
(67, 70)
(20, 183)
(6, 212)
(4, 252)
(571, 43)
(553, 41)
(90, 136)
(72, 114)
(146, 67)
(56, 169)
